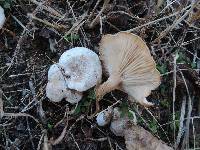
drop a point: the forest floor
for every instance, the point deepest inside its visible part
(36, 33)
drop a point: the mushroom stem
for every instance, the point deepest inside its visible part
(111, 84)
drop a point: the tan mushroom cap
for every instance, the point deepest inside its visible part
(130, 66)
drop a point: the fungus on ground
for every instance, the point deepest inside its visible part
(129, 65)
(82, 68)
(2, 17)
(104, 117)
(136, 137)
(78, 70)
(57, 88)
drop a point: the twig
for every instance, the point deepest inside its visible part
(62, 135)
(40, 141)
(194, 137)
(1, 103)
(111, 147)
(174, 96)
(158, 123)
(20, 115)
(154, 21)
(186, 137)
(18, 47)
(95, 7)
(176, 22)
(97, 18)
(29, 131)
(45, 144)
(47, 8)
(20, 23)
(75, 141)
(181, 130)
(56, 26)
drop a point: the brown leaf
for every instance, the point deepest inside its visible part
(137, 138)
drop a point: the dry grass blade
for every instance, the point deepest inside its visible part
(187, 128)
(56, 26)
(174, 94)
(97, 18)
(177, 21)
(47, 8)
(1, 103)
(180, 132)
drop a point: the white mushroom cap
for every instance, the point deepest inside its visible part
(57, 88)
(104, 117)
(78, 70)
(2, 17)
(83, 68)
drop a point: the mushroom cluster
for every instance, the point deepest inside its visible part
(2, 17)
(129, 65)
(78, 70)
(125, 58)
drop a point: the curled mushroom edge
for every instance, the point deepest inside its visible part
(129, 65)
(78, 70)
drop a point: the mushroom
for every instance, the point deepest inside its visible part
(82, 67)
(78, 70)
(2, 17)
(57, 88)
(135, 136)
(129, 65)
(104, 117)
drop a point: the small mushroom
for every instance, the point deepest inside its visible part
(104, 117)
(2, 17)
(129, 65)
(57, 88)
(78, 70)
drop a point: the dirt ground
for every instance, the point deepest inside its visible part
(36, 33)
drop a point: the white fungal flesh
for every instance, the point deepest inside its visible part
(101, 120)
(57, 88)
(104, 117)
(78, 70)
(2, 17)
(83, 68)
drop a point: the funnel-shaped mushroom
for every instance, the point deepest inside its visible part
(130, 66)
(2, 17)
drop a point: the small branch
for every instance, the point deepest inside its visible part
(47, 8)
(181, 128)
(174, 95)
(56, 26)
(97, 19)
(155, 21)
